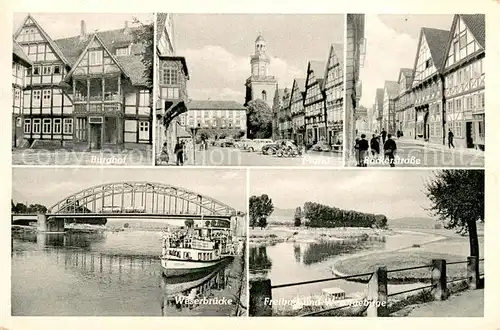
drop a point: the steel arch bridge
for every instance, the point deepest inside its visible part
(137, 197)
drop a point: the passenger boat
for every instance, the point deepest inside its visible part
(195, 250)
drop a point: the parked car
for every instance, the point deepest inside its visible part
(321, 146)
(271, 148)
(241, 144)
(257, 144)
(224, 143)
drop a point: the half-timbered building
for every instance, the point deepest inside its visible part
(297, 110)
(20, 64)
(405, 113)
(464, 81)
(334, 94)
(85, 92)
(285, 117)
(314, 105)
(389, 108)
(427, 85)
(276, 112)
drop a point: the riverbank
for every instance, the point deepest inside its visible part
(434, 245)
(279, 234)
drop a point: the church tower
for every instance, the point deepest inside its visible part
(260, 85)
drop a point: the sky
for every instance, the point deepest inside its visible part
(217, 48)
(47, 186)
(395, 194)
(391, 44)
(63, 25)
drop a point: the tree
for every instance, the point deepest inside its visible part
(144, 34)
(207, 223)
(240, 134)
(297, 217)
(260, 208)
(259, 120)
(126, 225)
(19, 208)
(380, 221)
(457, 199)
(37, 208)
(189, 223)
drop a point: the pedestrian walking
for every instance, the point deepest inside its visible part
(356, 152)
(390, 149)
(375, 145)
(450, 139)
(363, 150)
(164, 154)
(383, 133)
(179, 153)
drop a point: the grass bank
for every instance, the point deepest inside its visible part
(401, 259)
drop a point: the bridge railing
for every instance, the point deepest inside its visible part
(375, 303)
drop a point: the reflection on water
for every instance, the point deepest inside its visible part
(259, 261)
(301, 261)
(191, 286)
(101, 273)
(318, 252)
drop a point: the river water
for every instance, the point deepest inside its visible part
(292, 262)
(104, 274)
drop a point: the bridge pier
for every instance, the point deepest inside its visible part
(54, 225)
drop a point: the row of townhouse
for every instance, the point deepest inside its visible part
(312, 110)
(444, 92)
(86, 92)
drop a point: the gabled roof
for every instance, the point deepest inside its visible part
(476, 25)
(379, 96)
(19, 55)
(436, 40)
(51, 42)
(214, 105)
(406, 72)
(161, 19)
(70, 49)
(301, 83)
(112, 39)
(318, 67)
(392, 88)
(339, 51)
(84, 52)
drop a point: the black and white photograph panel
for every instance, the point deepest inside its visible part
(254, 96)
(82, 86)
(366, 243)
(415, 90)
(163, 244)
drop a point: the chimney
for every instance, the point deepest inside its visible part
(83, 30)
(126, 29)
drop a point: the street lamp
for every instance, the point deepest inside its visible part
(194, 130)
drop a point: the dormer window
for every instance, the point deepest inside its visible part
(123, 51)
(428, 63)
